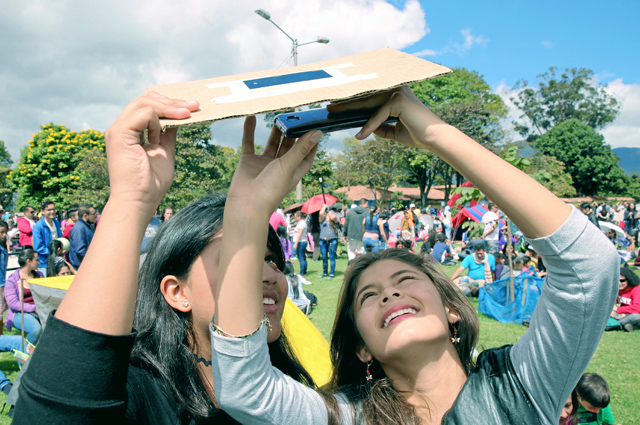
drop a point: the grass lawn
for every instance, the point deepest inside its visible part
(616, 357)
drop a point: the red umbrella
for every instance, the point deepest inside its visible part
(316, 202)
(293, 207)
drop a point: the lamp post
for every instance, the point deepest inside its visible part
(294, 51)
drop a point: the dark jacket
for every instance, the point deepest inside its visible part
(353, 224)
(41, 238)
(81, 236)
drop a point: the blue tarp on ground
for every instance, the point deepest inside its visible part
(492, 299)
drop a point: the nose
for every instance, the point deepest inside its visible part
(389, 293)
(270, 273)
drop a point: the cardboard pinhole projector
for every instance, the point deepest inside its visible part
(280, 89)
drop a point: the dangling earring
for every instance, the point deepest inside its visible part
(185, 303)
(455, 338)
(369, 376)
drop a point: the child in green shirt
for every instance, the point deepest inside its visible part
(593, 400)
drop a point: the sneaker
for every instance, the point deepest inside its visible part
(323, 275)
(628, 327)
(330, 276)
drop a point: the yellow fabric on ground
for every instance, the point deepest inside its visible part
(57, 282)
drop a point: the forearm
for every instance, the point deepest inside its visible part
(103, 294)
(457, 273)
(239, 289)
(536, 211)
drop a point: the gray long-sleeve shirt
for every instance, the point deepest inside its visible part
(577, 296)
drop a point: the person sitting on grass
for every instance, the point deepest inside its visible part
(480, 268)
(569, 415)
(593, 401)
(627, 308)
(302, 299)
(441, 249)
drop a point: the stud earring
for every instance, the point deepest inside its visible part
(185, 303)
(369, 376)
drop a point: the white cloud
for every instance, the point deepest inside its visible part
(79, 63)
(425, 52)
(547, 44)
(625, 130)
(469, 41)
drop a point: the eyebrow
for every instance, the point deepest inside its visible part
(399, 272)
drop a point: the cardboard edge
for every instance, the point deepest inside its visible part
(169, 123)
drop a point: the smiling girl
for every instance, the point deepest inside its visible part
(403, 334)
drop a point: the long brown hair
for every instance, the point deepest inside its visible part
(378, 401)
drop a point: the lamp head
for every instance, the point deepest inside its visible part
(265, 14)
(323, 40)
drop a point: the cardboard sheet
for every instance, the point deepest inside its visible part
(279, 89)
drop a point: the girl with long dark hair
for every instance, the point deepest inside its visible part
(90, 368)
(404, 335)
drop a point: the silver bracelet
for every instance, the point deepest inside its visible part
(219, 331)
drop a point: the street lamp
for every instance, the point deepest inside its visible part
(294, 51)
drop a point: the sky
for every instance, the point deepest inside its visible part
(79, 63)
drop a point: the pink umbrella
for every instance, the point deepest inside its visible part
(316, 202)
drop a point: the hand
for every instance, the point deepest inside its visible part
(417, 122)
(139, 172)
(262, 181)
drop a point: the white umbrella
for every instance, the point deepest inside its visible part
(605, 225)
(395, 220)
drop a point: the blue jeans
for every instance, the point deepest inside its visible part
(32, 326)
(371, 245)
(7, 344)
(329, 247)
(301, 251)
(447, 230)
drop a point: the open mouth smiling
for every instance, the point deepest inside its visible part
(396, 314)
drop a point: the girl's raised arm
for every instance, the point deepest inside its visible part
(103, 294)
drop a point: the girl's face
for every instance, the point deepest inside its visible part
(3, 233)
(566, 412)
(624, 284)
(168, 213)
(32, 264)
(64, 271)
(397, 306)
(201, 287)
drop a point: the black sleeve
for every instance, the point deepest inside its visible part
(75, 377)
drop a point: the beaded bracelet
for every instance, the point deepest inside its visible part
(219, 331)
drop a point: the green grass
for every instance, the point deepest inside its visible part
(616, 358)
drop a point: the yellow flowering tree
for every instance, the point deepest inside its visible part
(51, 166)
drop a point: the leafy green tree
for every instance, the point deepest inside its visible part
(589, 161)
(6, 193)
(557, 98)
(550, 172)
(201, 167)
(48, 165)
(464, 100)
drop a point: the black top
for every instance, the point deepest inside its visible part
(80, 377)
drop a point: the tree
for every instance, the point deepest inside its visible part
(550, 172)
(464, 100)
(48, 165)
(589, 161)
(572, 95)
(6, 193)
(201, 167)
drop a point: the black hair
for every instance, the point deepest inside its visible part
(593, 389)
(526, 259)
(516, 261)
(24, 255)
(56, 268)
(632, 278)
(51, 259)
(585, 205)
(26, 208)
(84, 209)
(441, 237)
(165, 210)
(477, 247)
(166, 344)
(46, 203)
(404, 243)
(292, 278)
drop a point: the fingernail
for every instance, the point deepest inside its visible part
(315, 136)
(192, 102)
(359, 134)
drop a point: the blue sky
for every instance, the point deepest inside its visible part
(79, 63)
(524, 38)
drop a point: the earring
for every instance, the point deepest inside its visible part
(185, 303)
(369, 376)
(455, 338)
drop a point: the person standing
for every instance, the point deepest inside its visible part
(46, 229)
(353, 229)
(300, 241)
(82, 234)
(72, 219)
(277, 219)
(329, 221)
(586, 209)
(25, 225)
(491, 233)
